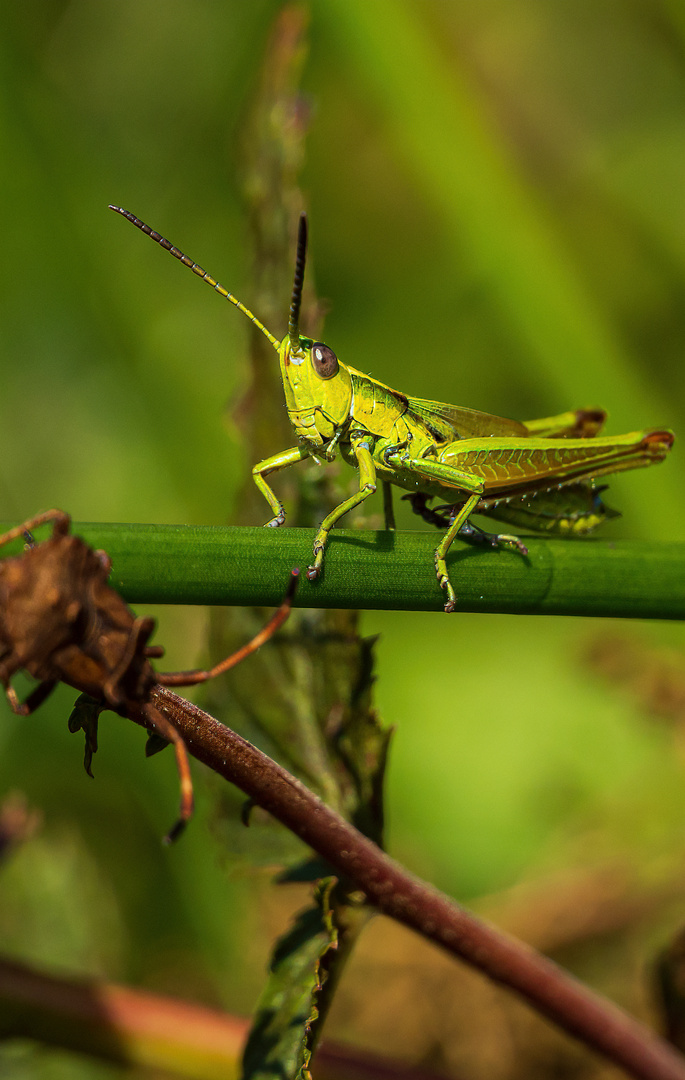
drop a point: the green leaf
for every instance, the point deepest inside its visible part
(285, 1024)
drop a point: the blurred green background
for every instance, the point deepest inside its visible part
(497, 217)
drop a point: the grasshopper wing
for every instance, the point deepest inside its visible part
(449, 422)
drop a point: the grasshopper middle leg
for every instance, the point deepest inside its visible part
(367, 486)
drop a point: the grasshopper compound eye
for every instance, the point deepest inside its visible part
(324, 360)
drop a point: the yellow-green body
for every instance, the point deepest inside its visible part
(476, 462)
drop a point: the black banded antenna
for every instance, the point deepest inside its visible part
(197, 269)
(296, 297)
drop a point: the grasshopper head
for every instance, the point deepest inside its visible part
(318, 389)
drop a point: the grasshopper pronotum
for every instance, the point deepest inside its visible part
(540, 473)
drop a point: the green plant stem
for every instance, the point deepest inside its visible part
(192, 564)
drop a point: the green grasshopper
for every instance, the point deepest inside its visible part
(538, 474)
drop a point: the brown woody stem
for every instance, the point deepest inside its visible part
(579, 1011)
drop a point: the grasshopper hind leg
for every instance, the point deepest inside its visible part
(475, 535)
(419, 504)
(443, 516)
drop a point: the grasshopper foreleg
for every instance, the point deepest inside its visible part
(367, 486)
(272, 465)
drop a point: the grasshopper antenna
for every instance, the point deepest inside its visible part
(197, 269)
(296, 299)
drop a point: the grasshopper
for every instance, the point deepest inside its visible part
(539, 473)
